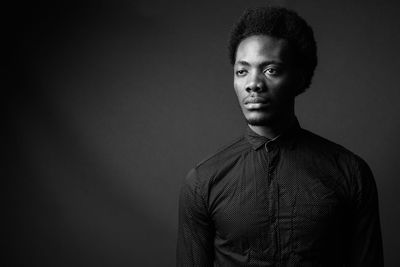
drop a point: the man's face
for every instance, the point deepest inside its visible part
(265, 79)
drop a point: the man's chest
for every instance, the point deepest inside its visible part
(271, 208)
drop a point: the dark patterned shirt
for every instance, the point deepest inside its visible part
(297, 200)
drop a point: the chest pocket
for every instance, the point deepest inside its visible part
(313, 225)
(314, 213)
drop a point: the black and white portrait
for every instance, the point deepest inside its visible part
(201, 133)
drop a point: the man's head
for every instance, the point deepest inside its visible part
(280, 23)
(273, 53)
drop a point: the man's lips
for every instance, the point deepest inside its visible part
(256, 103)
(255, 100)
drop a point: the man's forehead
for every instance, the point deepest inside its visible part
(262, 48)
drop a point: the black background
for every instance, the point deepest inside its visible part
(110, 103)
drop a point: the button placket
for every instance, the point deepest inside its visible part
(273, 197)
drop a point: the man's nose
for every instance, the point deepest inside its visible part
(255, 84)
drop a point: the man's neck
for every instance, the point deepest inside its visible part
(275, 129)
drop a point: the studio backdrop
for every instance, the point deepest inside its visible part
(110, 103)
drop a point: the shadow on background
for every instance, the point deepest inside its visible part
(109, 105)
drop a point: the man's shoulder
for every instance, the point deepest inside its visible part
(232, 149)
(325, 148)
(225, 156)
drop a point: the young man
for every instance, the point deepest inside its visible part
(279, 195)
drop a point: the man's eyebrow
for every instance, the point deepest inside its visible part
(242, 62)
(264, 63)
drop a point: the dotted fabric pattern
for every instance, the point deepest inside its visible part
(297, 200)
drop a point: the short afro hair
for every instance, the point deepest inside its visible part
(280, 23)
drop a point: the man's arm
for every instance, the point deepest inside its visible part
(365, 233)
(195, 232)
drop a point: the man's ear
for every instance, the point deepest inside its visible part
(300, 82)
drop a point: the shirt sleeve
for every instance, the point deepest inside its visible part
(195, 228)
(365, 231)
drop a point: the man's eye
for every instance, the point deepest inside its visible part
(241, 72)
(272, 71)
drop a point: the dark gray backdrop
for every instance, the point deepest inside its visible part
(109, 105)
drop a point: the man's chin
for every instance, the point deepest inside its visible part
(259, 121)
(261, 117)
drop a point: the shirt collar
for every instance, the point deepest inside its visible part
(288, 137)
